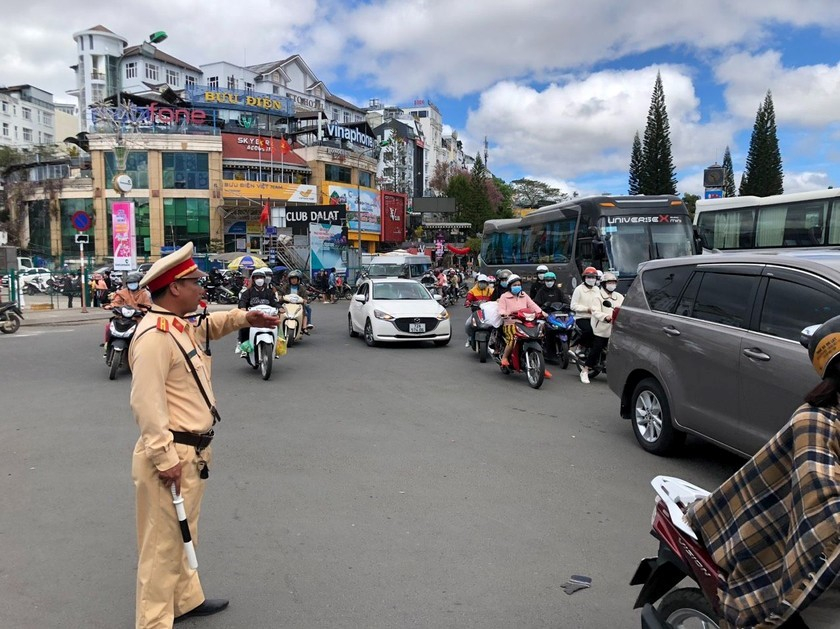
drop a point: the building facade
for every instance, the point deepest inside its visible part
(27, 117)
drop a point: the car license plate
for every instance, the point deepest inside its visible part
(417, 327)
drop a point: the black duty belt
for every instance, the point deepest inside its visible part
(192, 439)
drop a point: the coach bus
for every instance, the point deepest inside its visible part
(800, 220)
(610, 233)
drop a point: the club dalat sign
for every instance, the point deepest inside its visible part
(351, 135)
(324, 214)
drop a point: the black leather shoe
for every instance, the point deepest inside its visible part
(209, 607)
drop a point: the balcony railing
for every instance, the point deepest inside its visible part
(96, 75)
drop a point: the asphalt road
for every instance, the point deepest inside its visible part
(360, 487)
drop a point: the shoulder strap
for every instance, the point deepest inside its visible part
(215, 413)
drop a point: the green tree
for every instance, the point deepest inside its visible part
(532, 193)
(657, 174)
(763, 174)
(690, 201)
(728, 175)
(636, 162)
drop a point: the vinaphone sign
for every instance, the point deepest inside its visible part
(354, 136)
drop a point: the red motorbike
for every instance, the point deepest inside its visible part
(527, 354)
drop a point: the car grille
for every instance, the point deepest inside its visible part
(402, 324)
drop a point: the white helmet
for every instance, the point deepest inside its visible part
(481, 278)
(542, 269)
(513, 278)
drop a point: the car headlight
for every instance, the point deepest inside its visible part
(443, 315)
(379, 314)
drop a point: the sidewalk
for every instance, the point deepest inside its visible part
(64, 316)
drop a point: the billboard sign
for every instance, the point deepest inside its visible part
(123, 237)
(393, 216)
(353, 197)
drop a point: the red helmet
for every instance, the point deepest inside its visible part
(590, 270)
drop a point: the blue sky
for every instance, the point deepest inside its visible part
(559, 87)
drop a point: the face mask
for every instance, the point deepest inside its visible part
(549, 283)
(133, 286)
(590, 281)
(516, 289)
(504, 284)
(540, 276)
(611, 287)
(482, 285)
(259, 282)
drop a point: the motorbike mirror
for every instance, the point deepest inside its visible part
(806, 334)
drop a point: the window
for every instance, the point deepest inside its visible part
(249, 88)
(189, 81)
(186, 170)
(275, 89)
(231, 82)
(333, 172)
(151, 72)
(97, 92)
(6, 129)
(213, 82)
(422, 114)
(26, 113)
(346, 116)
(790, 307)
(136, 167)
(173, 78)
(727, 229)
(725, 298)
(5, 107)
(365, 179)
(794, 225)
(27, 135)
(131, 70)
(48, 138)
(185, 220)
(663, 286)
(48, 119)
(90, 42)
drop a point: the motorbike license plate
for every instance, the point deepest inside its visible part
(417, 327)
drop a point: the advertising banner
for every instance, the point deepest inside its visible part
(292, 192)
(125, 244)
(393, 216)
(260, 148)
(352, 197)
(258, 102)
(324, 247)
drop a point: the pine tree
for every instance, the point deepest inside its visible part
(763, 175)
(635, 166)
(658, 175)
(728, 175)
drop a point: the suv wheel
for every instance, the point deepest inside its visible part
(652, 419)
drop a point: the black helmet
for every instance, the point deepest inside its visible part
(296, 274)
(133, 278)
(823, 345)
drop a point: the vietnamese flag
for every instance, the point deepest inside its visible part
(284, 147)
(264, 217)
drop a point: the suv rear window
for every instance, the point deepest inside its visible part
(663, 286)
(725, 298)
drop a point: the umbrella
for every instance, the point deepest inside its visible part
(246, 262)
(280, 269)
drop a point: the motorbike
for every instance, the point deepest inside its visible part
(680, 556)
(560, 323)
(343, 290)
(263, 344)
(218, 292)
(292, 320)
(579, 359)
(121, 330)
(527, 351)
(478, 332)
(10, 317)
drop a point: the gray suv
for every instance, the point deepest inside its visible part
(709, 345)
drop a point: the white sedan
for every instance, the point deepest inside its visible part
(396, 310)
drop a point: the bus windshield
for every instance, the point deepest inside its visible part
(385, 270)
(631, 240)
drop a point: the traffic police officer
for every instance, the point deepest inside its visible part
(174, 406)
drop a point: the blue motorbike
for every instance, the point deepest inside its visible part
(559, 326)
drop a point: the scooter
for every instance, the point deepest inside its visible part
(579, 359)
(121, 329)
(478, 332)
(263, 344)
(292, 323)
(527, 351)
(680, 556)
(560, 323)
(10, 317)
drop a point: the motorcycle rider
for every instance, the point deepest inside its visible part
(481, 291)
(586, 298)
(130, 295)
(501, 288)
(538, 283)
(551, 292)
(602, 323)
(259, 293)
(773, 526)
(509, 304)
(294, 286)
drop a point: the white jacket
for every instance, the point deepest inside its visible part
(601, 327)
(585, 300)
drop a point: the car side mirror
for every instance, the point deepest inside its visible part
(360, 298)
(437, 297)
(806, 334)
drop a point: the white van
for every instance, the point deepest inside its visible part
(409, 266)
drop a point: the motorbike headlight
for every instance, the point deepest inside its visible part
(380, 314)
(127, 312)
(443, 315)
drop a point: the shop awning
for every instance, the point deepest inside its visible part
(448, 225)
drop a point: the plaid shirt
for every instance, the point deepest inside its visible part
(774, 526)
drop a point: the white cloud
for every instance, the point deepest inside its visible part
(805, 95)
(587, 125)
(806, 181)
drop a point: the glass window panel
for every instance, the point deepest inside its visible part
(790, 307)
(722, 298)
(136, 167)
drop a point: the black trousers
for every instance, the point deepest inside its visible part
(599, 344)
(586, 335)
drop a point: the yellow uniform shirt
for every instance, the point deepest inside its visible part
(164, 394)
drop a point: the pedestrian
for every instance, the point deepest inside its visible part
(331, 287)
(99, 290)
(70, 285)
(173, 403)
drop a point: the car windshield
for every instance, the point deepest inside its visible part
(638, 239)
(400, 290)
(385, 270)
